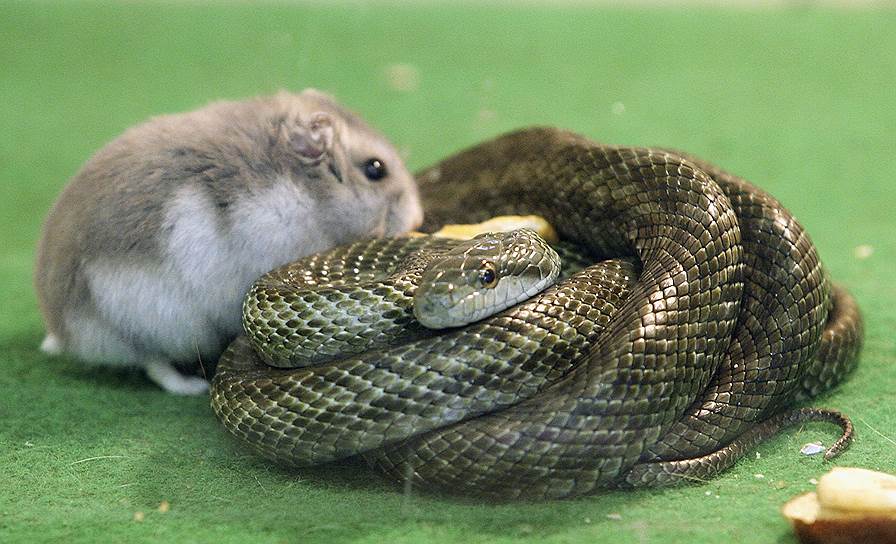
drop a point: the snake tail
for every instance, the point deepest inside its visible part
(669, 473)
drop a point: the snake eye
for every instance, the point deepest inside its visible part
(487, 275)
(375, 169)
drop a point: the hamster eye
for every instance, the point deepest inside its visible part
(375, 169)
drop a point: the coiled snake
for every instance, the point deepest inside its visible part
(665, 363)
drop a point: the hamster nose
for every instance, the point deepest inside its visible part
(415, 210)
(416, 216)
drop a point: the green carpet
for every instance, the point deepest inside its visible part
(800, 101)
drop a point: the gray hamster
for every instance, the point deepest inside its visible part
(147, 253)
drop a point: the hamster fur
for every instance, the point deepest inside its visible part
(147, 253)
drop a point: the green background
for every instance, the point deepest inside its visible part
(801, 101)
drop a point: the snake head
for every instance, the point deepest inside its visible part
(483, 276)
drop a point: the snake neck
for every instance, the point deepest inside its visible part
(354, 299)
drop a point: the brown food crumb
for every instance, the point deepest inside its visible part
(849, 505)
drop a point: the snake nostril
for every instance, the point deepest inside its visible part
(423, 306)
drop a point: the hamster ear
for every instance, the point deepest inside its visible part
(314, 142)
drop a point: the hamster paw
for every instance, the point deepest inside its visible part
(51, 345)
(168, 378)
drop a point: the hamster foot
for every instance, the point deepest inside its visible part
(172, 381)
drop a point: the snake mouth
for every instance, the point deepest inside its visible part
(433, 313)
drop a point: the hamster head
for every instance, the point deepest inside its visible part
(361, 178)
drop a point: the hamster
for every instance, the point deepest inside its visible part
(146, 255)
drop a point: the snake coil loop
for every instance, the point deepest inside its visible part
(662, 364)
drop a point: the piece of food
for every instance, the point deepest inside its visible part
(501, 223)
(848, 505)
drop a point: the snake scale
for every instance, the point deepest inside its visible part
(704, 315)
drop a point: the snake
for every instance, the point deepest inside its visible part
(693, 316)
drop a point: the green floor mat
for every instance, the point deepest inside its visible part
(800, 101)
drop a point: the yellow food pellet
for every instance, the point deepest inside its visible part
(501, 223)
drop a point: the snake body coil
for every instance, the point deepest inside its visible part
(663, 364)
